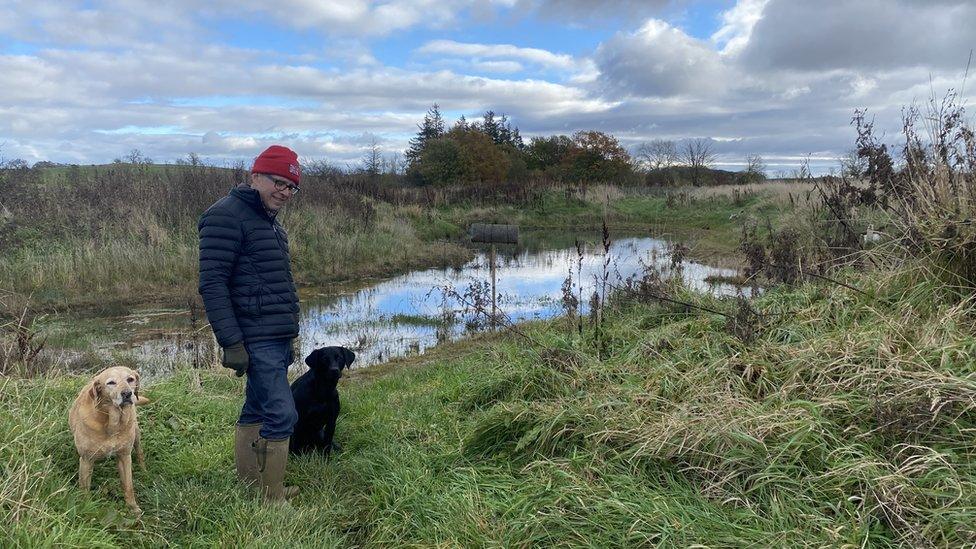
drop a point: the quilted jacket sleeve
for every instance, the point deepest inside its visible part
(220, 244)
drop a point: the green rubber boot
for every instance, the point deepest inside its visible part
(272, 457)
(244, 458)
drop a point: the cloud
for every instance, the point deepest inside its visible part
(737, 25)
(782, 78)
(124, 22)
(659, 60)
(498, 66)
(867, 35)
(500, 51)
(353, 17)
(74, 102)
(585, 11)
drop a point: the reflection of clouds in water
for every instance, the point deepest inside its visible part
(403, 315)
(529, 284)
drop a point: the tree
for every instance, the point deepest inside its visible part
(481, 159)
(755, 168)
(596, 156)
(372, 158)
(431, 128)
(657, 154)
(440, 162)
(392, 164)
(547, 153)
(603, 145)
(853, 165)
(697, 155)
(192, 159)
(490, 127)
(500, 130)
(136, 157)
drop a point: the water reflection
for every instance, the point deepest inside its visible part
(412, 313)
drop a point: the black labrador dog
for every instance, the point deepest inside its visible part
(317, 400)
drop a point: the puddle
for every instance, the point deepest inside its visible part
(412, 313)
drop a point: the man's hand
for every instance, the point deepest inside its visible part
(236, 358)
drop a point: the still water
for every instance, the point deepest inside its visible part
(413, 312)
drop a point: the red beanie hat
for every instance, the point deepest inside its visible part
(278, 160)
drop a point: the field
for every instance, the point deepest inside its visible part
(837, 408)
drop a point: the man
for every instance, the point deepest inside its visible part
(252, 306)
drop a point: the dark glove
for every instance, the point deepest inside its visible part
(236, 358)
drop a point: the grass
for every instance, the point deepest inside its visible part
(847, 422)
(416, 320)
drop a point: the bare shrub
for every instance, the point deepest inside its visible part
(20, 344)
(570, 303)
(753, 249)
(677, 252)
(786, 256)
(647, 287)
(744, 323)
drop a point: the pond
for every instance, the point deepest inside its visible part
(416, 311)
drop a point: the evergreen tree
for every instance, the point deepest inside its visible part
(517, 139)
(500, 130)
(432, 128)
(489, 126)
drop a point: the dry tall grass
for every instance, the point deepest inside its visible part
(782, 191)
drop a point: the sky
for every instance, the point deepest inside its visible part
(88, 81)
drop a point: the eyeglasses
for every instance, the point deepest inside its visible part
(282, 184)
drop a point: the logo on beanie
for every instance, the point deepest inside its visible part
(293, 169)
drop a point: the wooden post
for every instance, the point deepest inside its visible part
(494, 234)
(494, 294)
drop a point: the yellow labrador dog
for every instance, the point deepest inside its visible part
(103, 422)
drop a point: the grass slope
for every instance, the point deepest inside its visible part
(848, 422)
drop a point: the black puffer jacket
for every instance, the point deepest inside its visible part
(245, 272)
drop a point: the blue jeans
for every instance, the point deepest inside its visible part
(268, 397)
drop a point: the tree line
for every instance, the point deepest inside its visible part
(492, 150)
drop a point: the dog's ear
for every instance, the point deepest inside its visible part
(136, 389)
(142, 401)
(348, 356)
(312, 358)
(95, 389)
